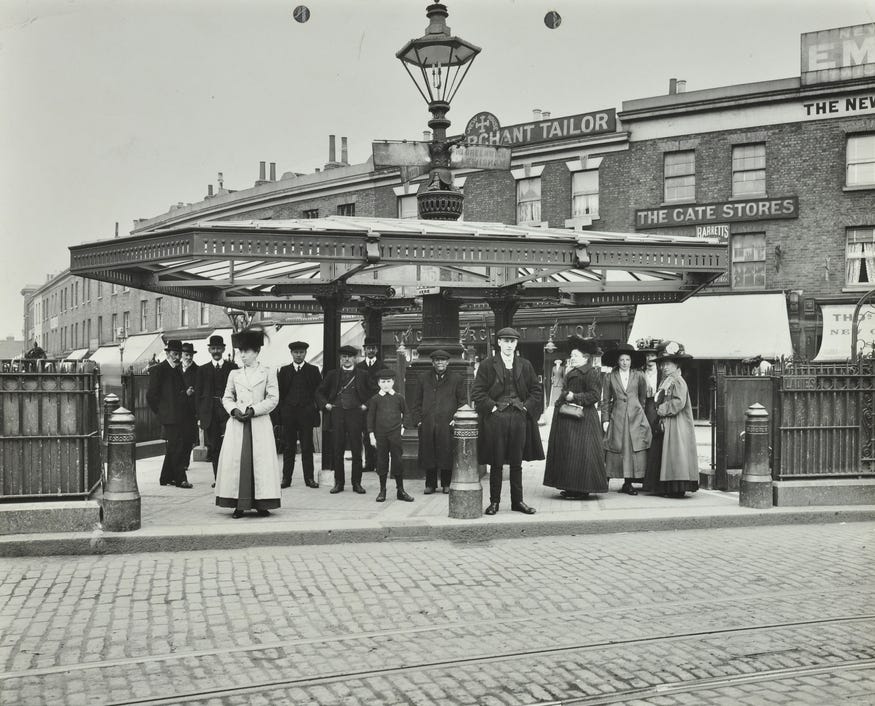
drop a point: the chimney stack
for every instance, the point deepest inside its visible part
(332, 153)
(536, 114)
(682, 86)
(273, 171)
(672, 86)
(261, 171)
(343, 151)
(209, 191)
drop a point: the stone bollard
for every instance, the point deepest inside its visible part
(756, 478)
(121, 497)
(466, 493)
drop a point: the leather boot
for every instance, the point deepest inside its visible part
(492, 509)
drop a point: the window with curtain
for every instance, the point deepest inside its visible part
(679, 169)
(749, 170)
(310, 213)
(204, 314)
(749, 261)
(144, 322)
(183, 315)
(408, 206)
(346, 209)
(585, 194)
(860, 256)
(113, 325)
(861, 160)
(528, 200)
(159, 315)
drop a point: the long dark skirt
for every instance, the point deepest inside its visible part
(245, 499)
(652, 482)
(576, 454)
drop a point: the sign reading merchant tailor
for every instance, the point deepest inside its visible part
(731, 211)
(484, 129)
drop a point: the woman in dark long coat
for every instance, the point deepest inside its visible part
(575, 455)
(652, 380)
(627, 431)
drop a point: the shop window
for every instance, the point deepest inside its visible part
(528, 200)
(680, 176)
(585, 194)
(346, 209)
(310, 213)
(204, 314)
(749, 261)
(749, 170)
(861, 160)
(408, 207)
(860, 257)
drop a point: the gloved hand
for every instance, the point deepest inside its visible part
(249, 413)
(237, 414)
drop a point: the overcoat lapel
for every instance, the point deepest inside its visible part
(499, 369)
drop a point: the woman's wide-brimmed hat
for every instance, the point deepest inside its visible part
(589, 346)
(672, 350)
(248, 339)
(612, 357)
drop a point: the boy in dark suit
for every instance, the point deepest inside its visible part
(299, 412)
(343, 395)
(209, 388)
(387, 413)
(165, 397)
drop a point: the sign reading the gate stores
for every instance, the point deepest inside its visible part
(732, 211)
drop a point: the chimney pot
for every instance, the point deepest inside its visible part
(343, 151)
(332, 152)
(273, 171)
(682, 86)
(672, 86)
(209, 189)
(426, 135)
(536, 114)
(261, 171)
(545, 114)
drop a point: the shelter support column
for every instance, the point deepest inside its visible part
(503, 309)
(332, 307)
(373, 319)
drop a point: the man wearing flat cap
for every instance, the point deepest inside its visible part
(372, 365)
(166, 398)
(508, 398)
(299, 412)
(433, 403)
(212, 378)
(343, 396)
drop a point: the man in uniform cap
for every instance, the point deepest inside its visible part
(212, 378)
(433, 403)
(508, 398)
(343, 395)
(165, 397)
(372, 365)
(299, 412)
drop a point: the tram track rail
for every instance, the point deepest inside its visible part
(484, 659)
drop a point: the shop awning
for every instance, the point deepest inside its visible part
(276, 347)
(78, 354)
(723, 326)
(838, 321)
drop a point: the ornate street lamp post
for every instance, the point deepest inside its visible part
(438, 63)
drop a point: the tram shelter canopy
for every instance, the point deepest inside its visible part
(291, 265)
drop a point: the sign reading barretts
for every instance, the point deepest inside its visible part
(732, 211)
(484, 129)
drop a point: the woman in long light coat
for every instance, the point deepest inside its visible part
(679, 470)
(627, 431)
(248, 476)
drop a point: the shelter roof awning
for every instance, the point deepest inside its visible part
(286, 265)
(720, 326)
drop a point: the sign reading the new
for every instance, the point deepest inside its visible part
(484, 129)
(732, 211)
(838, 54)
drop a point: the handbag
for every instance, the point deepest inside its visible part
(568, 409)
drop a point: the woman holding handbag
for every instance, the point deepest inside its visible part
(627, 431)
(575, 456)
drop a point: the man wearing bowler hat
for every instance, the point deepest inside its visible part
(372, 365)
(435, 399)
(166, 398)
(508, 399)
(343, 395)
(189, 402)
(299, 412)
(209, 389)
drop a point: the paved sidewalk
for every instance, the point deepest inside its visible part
(176, 519)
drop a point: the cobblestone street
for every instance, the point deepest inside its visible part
(752, 616)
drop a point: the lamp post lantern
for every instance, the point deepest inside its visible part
(438, 63)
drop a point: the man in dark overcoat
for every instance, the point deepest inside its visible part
(344, 395)
(508, 398)
(299, 411)
(435, 399)
(210, 385)
(165, 397)
(372, 365)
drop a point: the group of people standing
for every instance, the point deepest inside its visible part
(634, 423)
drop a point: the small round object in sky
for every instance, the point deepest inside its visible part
(301, 13)
(552, 19)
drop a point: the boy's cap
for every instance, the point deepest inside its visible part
(386, 374)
